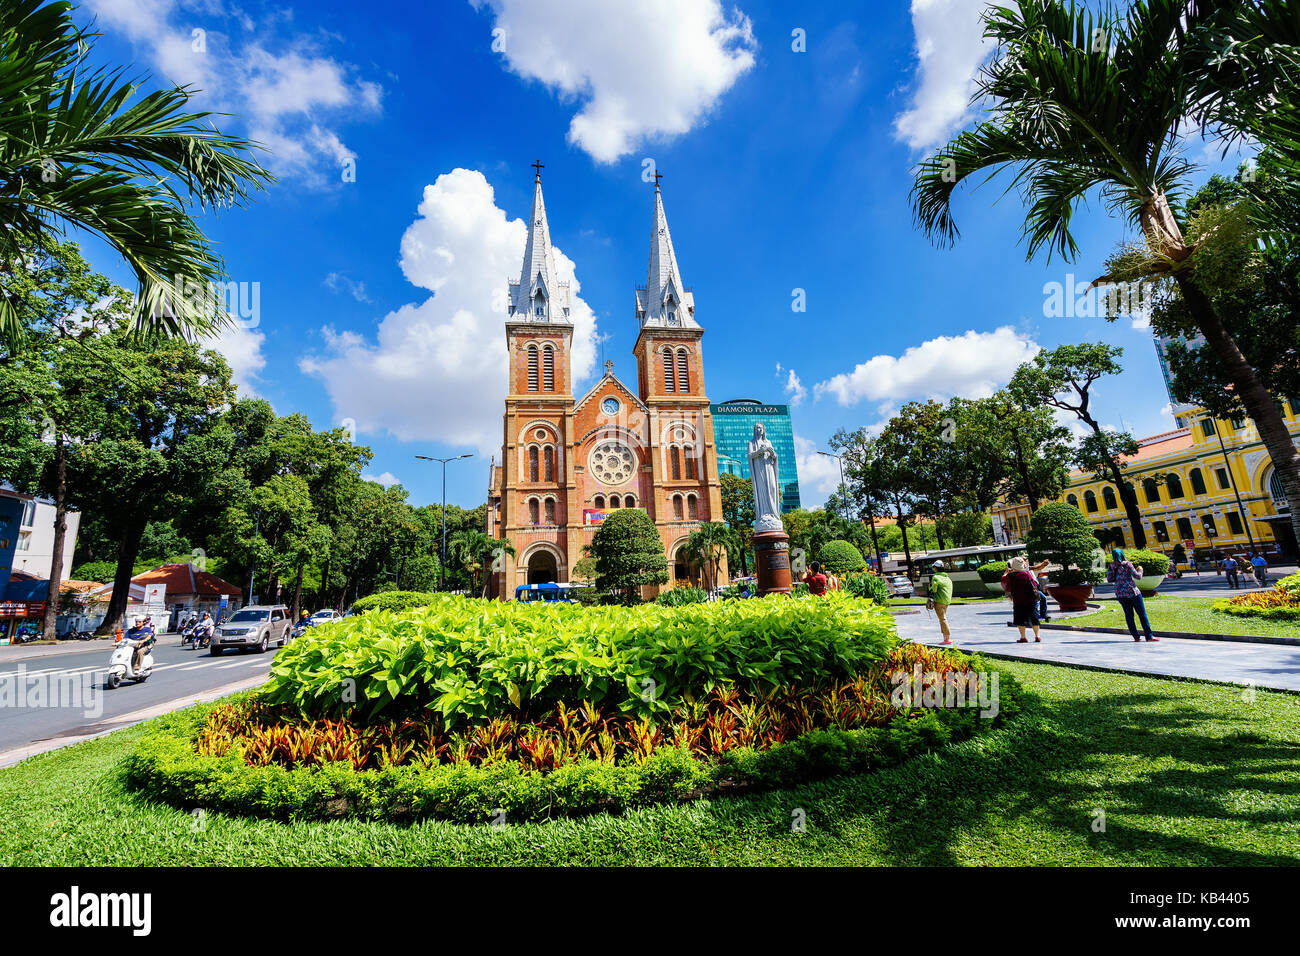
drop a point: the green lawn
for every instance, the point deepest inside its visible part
(1190, 614)
(1186, 774)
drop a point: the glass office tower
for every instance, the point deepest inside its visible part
(733, 428)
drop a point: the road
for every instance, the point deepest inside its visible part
(57, 699)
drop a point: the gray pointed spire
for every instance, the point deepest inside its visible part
(665, 301)
(539, 295)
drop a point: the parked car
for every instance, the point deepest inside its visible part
(900, 585)
(254, 628)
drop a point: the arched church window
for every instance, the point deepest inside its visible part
(629, 502)
(675, 462)
(532, 462)
(548, 369)
(532, 511)
(532, 368)
(539, 305)
(692, 507)
(683, 372)
(670, 375)
(599, 503)
(550, 511)
(688, 453)
(548, 459)
(677, 507)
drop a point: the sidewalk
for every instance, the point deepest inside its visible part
(31, 652)
(984, 629)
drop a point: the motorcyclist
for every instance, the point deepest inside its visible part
(140, 636)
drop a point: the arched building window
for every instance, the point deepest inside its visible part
(550, 511)
(1175, 485)
(677, 507)
(1198, 481)
(548, 369)
(1108, 495)
(670, 375)
(1073, 500)
(675, 462)
(683, 371)
(548, 460)
(688, 454)
(599, 503)
(1151, 488)
(532, 463)
(629, 502)
(1090, 501)
(532, 368)
(692, 508)
(533, 517)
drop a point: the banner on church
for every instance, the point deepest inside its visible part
(591, 516)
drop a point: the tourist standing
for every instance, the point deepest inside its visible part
(1261, 568)
(1042, 596)
(815, 580)
(1125, 576)
(1022, 589)
(1230, 571)
(940, 598)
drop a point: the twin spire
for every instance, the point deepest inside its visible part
(539, 295)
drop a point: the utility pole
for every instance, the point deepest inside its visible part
(871, 511)
(1232, 480)
(442, 558)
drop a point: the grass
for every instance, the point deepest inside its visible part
(1190, 614)
(1187, 774)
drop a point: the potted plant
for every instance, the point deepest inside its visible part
(1154, 567)
(991, 575)
(1059, 533)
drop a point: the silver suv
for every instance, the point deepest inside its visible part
(255, 626)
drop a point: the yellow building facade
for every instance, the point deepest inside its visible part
(1210, 486)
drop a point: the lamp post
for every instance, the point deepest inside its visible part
(442, 559)
(871, 510)
(1232, 480)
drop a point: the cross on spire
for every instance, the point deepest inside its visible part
(609, 367)
(538, 166)
(658, 176)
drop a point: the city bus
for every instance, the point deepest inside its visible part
(551, 591)
(962, 562)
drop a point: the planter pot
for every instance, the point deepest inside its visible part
(994, 586)
(1147, 584)
(1073, 597)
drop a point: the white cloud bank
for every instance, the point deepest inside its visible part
(242, 349)
(950, 47)
(287, 92)
(437, 369)
(819, 475)
(641, 68)
(974, 365)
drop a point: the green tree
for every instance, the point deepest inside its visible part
(707, 544)
(78, 152)
(1060, 534)
(1063, 378)
(738, 511)
(629, 554)
(1012, 450)
(1072, 114)
(841, 557)
(475, 552)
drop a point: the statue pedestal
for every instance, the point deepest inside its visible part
(772, 562)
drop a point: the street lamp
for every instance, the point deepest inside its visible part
(871, 510)
(442, 560)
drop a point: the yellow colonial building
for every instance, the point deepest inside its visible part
(1209, 485)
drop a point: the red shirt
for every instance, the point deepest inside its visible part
(816, 583)
(1020, 585)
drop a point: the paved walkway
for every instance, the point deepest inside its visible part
(983, 629)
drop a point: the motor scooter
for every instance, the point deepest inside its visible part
(202, 635)
(121, 665)
(187, 632)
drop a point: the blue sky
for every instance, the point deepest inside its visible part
(403, 135)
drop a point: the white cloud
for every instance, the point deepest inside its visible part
(242, 348)
(641, 68)
(973, 365)
(950, 48)
(387, 479)
(794, 389)
(819, 475)
(337, 282)
(287, 92)
(437, 369)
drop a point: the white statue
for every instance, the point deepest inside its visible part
(767, 493)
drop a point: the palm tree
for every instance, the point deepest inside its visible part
(474, 551)
(707, 544)
(75, 152)
(1079, 104)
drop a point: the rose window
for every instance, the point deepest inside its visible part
(612, 462)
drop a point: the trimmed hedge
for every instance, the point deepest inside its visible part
(395, 601)
(841, 557)
(992, 572)
(166, 767)
(1152, 562)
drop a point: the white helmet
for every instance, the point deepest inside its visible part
(138, 619)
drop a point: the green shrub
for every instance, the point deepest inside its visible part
(101, 571)
(868, 586)
(841, 557)
(628, 553)
(166, 767)
(395, 601)
(1060, 533)
(682, 595)
(991, 573)
(1151, 562)
(470, 660)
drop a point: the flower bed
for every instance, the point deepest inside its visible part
(1279, 603)
(566, 711)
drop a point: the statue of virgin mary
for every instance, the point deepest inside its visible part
(762, 471)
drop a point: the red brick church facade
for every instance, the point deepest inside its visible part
(567, 461)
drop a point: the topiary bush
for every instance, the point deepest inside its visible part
(395, 601)
(1151, 562)
(628, 553)
(841, 557)
(1059, 533)
(991, 573)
